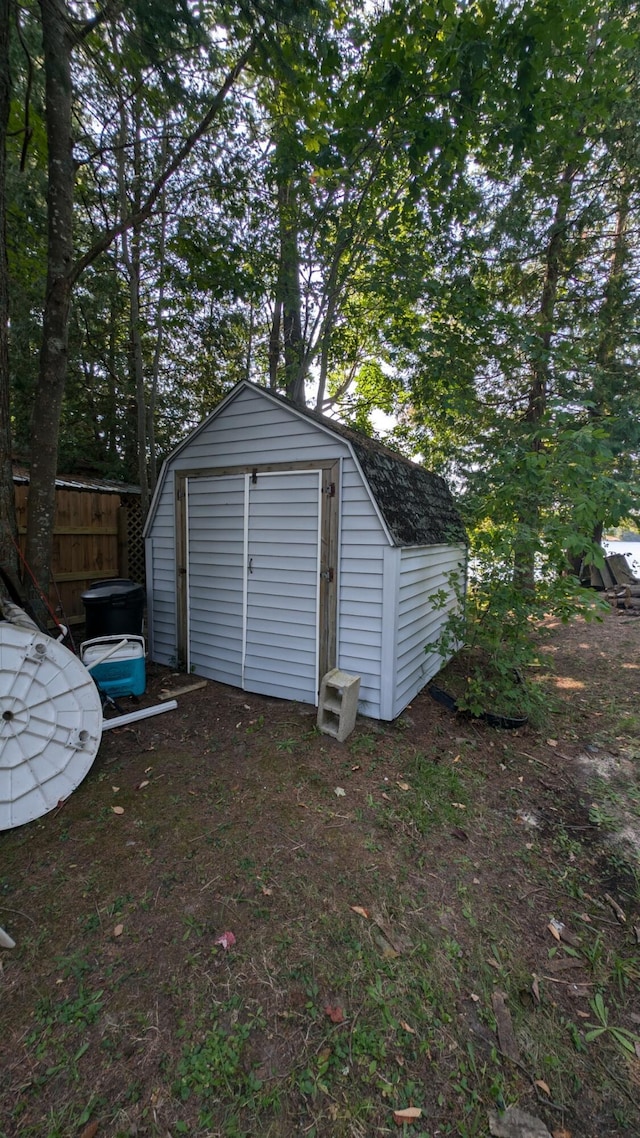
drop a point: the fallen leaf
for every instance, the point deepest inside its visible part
(267, 892)
(543, 1086)
(404, 785)
(476, 881)
(552, 742)
(504, 1027)
(563, 933)
(457, 759)
(147, 770)
(583, 1015)
(336, 1014)
(90, 1130)
(141, 785)
(118, 809)
(408, 1114)
(356, 768)
(385, 796)
(406, 1027)
(459, 805)
(459, 834)
(535, 988)
(227, 940)
(387, 950)
(474, 997)
(118, 931)
(115, 789)
(324, 1055)
(359, 910)
(561, 1133)
(340, 792)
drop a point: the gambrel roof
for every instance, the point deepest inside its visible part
(416, 505)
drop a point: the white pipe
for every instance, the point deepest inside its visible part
(134, 716)
(110, 652)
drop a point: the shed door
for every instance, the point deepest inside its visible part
(253, 581)
(283, 585)
(215, 588)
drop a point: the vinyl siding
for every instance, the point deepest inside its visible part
(253, 430)
(281, 656)
(250, 430)
(384, 620)
(216, 564)
(422, 572)
(361, 589)
(161, 611)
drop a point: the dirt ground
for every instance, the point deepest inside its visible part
(436, 914)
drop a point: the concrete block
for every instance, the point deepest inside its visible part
(338, 704)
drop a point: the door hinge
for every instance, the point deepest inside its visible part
(327, 575)
(330, 489)
(254, 476)
(180, 495)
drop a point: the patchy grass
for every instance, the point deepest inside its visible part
(373, 927)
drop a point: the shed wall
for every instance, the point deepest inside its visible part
(250, 430)
(423, 571)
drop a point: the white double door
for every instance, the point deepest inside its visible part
(253, 584)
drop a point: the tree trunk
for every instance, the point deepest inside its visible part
(157, 353)
(274, 341)
(8, 528)
(45, 429)
(58, 38)
(529, 508)
(610, 313)
(288, 300)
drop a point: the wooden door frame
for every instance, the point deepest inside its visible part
(329, 548)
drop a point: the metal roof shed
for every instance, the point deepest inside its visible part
(280, 544)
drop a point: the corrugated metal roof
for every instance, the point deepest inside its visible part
(80, 482)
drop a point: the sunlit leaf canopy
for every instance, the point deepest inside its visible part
(428, 210)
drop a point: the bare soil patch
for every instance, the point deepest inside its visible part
(389, 898)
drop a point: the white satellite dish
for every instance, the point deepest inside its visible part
(50, 724)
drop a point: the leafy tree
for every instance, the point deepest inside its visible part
(8, 532)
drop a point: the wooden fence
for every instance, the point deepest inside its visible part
(96, 535)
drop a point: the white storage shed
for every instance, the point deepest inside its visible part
(281, 544)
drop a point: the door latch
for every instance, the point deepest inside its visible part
(327, 575)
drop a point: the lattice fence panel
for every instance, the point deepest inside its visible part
(135, 542)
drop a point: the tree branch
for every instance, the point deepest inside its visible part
(138, 216)
(84, 30)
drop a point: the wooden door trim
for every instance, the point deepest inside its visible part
(182, 553)
(329, 550)
(329, 568)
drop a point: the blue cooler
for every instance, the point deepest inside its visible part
(122, 670)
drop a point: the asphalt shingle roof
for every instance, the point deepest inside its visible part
(416, 504)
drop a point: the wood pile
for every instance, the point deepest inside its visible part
(618, 581)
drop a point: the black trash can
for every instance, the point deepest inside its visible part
(113, 606)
